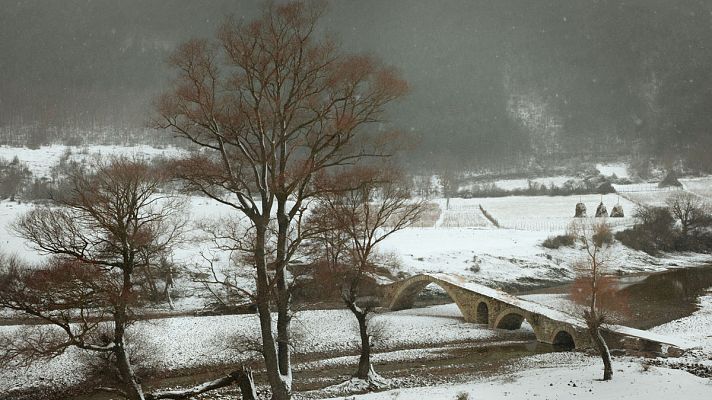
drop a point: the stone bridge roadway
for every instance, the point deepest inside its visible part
(483, 305)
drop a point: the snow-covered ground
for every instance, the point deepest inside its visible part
(699, 186)
(10, 244)
(695, 328)
(649, 195)
(41, 160)
(512, 184)
(566, 376)
(619, 170)
(463, 241)
(549, 213)
(185, 342)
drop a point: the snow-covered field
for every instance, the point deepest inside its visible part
(619, 170)
(10, 244)
(512, 184)
(549, 213)
(699, 186)
(460, 241)
(41, 160)
(648, 195)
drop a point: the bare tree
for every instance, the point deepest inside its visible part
(689, 209)
(13, 177)
(110, 221)
(272, 106)
(450, 177)
(360, 209)
(592, 276)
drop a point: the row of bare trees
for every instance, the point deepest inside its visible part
(279, 121)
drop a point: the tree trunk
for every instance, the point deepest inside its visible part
(283, 293)
(242, 376)
(280, 389)
(602, 348)
(123, 363)
(364, 362)
(167, 289)
(247, 385)
(133, 388)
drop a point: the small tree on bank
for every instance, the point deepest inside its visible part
(593, 280)
(359, 210)
(271, 106)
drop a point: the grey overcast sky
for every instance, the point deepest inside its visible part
(591, 66)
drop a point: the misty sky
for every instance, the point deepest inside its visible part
(478, 69)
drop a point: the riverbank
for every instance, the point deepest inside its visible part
(553, 376)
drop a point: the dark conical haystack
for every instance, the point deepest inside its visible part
(580, 210)
(670, 180)
(601, 211)
(605, 188)
(617, 211)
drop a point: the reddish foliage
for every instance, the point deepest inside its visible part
(610, 299)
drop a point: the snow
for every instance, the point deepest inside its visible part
(10, 244)
(620, 170)
(699, 186)
(693, 328)
(579, 379)
(549, 213)
(41, 160)
(512, 184)
(185, 342)
(648, 195)
(497, 257)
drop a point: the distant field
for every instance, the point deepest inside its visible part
(534, 213)
(550, 213)
(464, 217)
(699, 186)
(647, 194)
(429, 217)
(41, 160)
(512, 184)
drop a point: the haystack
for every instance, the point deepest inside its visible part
(617, 211)
(601, 211)
(670, 180)
(580, 210)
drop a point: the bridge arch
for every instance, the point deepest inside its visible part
(483, 312)
(510, 319)
(564, 339)
(406, 294)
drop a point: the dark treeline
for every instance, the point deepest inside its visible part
(493, 82)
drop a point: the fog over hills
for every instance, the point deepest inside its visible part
(491, 80)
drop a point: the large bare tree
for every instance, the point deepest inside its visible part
(271, 105)
(690, 209)
(112, 220)
(356, 211)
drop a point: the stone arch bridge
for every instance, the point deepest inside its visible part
(484, 305)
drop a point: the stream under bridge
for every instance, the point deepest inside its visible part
(497, 309)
